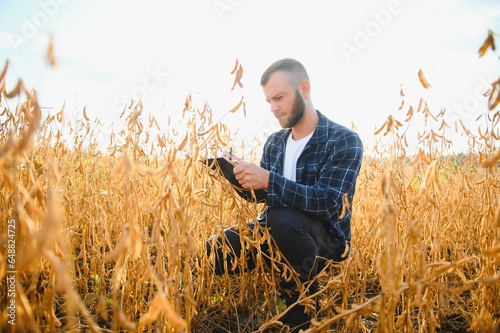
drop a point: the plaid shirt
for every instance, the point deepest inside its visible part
(326, 169)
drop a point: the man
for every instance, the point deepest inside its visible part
(307, 168)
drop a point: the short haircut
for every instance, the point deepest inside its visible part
(295, 70)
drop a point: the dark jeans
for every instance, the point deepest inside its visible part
(300, 238)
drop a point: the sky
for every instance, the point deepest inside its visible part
(358, 54)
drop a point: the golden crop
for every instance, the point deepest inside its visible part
(114, 240)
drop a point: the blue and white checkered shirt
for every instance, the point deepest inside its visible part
(326, 169)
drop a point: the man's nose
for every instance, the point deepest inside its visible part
(274, 107)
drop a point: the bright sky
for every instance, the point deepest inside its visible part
(357, 53)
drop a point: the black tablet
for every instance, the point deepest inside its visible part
(226, 168)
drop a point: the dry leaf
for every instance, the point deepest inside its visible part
(183, 143)
(492, 160)
(161, 142)
(235, 67)
(380, 129)
(188, 103)
(409, 114)
(17, 89)
(60, 114)
(121, 247)
(51, 54)
(391, 125)
(464, 128)
(420, 103)
(4, 70)
(237, 78)
(402, 104)
(494, 95)
(423, 80)
(345, 206)
(84, 113)
(233, 110)
(489, 41)
(2, 88)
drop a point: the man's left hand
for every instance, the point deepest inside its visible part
(251, 175)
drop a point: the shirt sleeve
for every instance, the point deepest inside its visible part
(337, 175)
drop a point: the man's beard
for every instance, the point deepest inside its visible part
(298, 109)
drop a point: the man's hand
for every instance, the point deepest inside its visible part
(251, 175)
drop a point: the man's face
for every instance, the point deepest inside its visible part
(287, 104)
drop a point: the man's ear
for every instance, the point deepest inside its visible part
(305, 89)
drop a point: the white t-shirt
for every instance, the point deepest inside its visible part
(292, 153)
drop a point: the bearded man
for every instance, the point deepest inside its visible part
(307, 168)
